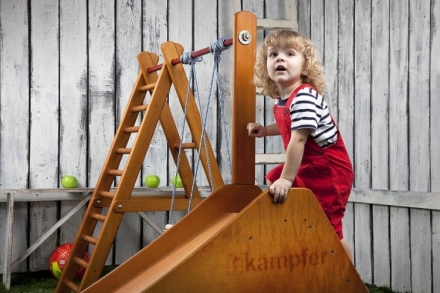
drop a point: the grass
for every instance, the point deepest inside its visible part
(43, 282)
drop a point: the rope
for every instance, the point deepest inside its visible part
(185, 59)
(216, 49)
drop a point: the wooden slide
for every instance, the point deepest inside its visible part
(238, 240)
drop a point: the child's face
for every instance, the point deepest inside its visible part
(285, 66)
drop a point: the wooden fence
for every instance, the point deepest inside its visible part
(67, 69)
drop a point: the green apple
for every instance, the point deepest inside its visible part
(152, 181)
(179, 183)
(69, 181)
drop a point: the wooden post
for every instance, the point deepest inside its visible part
(243, 102)
(8, 241)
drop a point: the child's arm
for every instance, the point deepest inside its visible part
(258, 130)
(294, 154)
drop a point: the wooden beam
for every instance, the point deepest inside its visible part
(404, 199)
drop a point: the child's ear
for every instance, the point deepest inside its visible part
(305, 72)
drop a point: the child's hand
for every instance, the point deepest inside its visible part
(280, 188)
(256, 129)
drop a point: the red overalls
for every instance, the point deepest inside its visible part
(327, 172)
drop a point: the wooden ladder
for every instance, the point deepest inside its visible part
(108, 205)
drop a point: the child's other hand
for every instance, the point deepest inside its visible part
(256, 130)
(280, 188)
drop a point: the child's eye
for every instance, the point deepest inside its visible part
(272, 54)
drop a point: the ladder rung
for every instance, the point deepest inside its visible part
(187, 145)
(98, 217)
(90, 239)
(80, 262)
(147, 87)
(140, 108)
(123, 150)
(115, 172)
(71, 285)
(132, 129)
(107, 194)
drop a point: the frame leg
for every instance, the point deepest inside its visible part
(8, 241)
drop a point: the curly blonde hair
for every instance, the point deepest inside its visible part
(288, 39)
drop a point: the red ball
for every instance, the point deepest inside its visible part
(58, 260)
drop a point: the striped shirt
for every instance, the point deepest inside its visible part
(309, 111)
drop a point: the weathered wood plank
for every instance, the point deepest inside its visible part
(15, 103)
(6, 229)
(44, 129)
(73, 105)
(379, 130)
(330, 56)
(398, 131)
(225, 14)
(435, 139)
(180, 13)
(129, 37)
(155, 32)
(205, 33)
(419, 151)
(101, 44)
(362, 134)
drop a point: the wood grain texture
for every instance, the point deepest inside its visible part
(435, 137)
(379, 130)
(419, 152)
(14, 123)
(399, 171)
(73, 105)
(246, 246)
(44, 122)
(155, 32)
(129, 37)
(101, 87)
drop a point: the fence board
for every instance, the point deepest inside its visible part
(43, 165)
(435, 138)
(129, 40)
(379, 130)
(225, 13)
(73, 105)
(101, 41)
(419, 159)
(155, 32)
(14, 103)
(399, 180)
